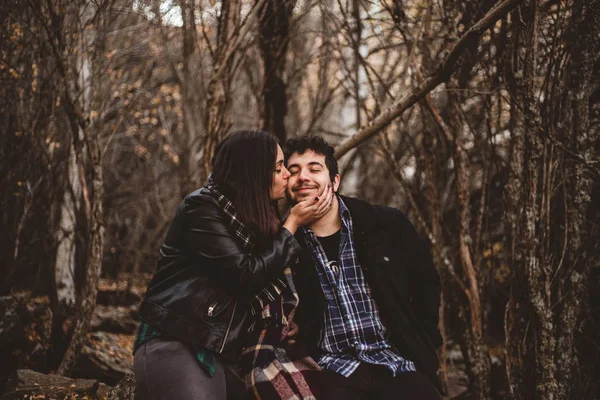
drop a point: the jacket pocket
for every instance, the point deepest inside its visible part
(214, 304)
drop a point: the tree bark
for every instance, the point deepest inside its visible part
(516, 367)
(64, 270)
(575, 271)
(232, 33)
(274, 31)
(356, 42)
(190, 102)
(89, 291)
(476, 350)
(78, 94)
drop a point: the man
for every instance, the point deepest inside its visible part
(369, 292)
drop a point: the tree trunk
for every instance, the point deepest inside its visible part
(538, 342)
(64, 271)
(190, 102)
(274, 27)
(356, 42)
(516, 368)
(585, 32)
(432, 185)
(217, 119)
(89, 290)
(79, 94)
(476, 352)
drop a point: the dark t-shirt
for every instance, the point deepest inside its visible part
(331, 246)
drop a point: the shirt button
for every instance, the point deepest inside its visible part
(386, 258)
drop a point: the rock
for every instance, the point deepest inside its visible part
(124, 390)
(29, 384)
(458, 383)
(113, 319)
(25, 331)
(11, 331)
(106, 356)
(11, 309)
(111, 297)
(114, 292)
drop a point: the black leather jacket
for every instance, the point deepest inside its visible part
(204, 279)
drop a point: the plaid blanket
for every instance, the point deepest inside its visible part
(278, 369)
(272, 366)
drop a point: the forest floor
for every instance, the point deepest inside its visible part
(107, 356)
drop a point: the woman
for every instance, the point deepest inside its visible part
(224, 246)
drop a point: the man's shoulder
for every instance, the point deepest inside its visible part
(369, 217)
(373, 214)
(360, 205)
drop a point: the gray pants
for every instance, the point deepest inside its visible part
(168, 369)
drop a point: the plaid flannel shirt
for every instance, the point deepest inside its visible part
(352, 331)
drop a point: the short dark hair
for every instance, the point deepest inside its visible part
(243, 167)
(315, 143)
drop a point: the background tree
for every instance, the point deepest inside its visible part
(479, 119)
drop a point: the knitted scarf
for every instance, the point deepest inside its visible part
(272, 366)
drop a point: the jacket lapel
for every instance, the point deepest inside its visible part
(363, 223)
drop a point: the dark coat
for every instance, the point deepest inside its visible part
(205, 278)
(404, 283)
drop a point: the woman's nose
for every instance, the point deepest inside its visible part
(286, 173)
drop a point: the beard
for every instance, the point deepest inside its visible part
(294, 197)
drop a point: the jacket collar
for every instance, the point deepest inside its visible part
(363, 215)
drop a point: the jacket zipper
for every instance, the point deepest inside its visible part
(228, 328)
(211, 308)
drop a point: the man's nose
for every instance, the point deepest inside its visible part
(302, 175)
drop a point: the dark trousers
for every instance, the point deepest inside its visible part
(168, 369)
(376, 382)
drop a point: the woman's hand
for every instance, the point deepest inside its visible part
(310, 210)
(294, 329)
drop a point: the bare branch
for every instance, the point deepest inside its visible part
(442, 74)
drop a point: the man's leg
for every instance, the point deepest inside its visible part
(355, 387)
(168, 369)
(409, 386)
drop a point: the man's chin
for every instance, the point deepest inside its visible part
(295, 198)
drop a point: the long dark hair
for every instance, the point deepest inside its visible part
(243, 167)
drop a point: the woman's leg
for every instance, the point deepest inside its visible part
(168, 369)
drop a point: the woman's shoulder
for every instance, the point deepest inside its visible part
(201, 194)
(200, 200)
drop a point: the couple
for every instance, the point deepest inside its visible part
(339, 301)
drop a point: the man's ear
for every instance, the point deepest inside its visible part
(336, 183)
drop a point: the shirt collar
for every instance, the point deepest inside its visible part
(344, 212)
